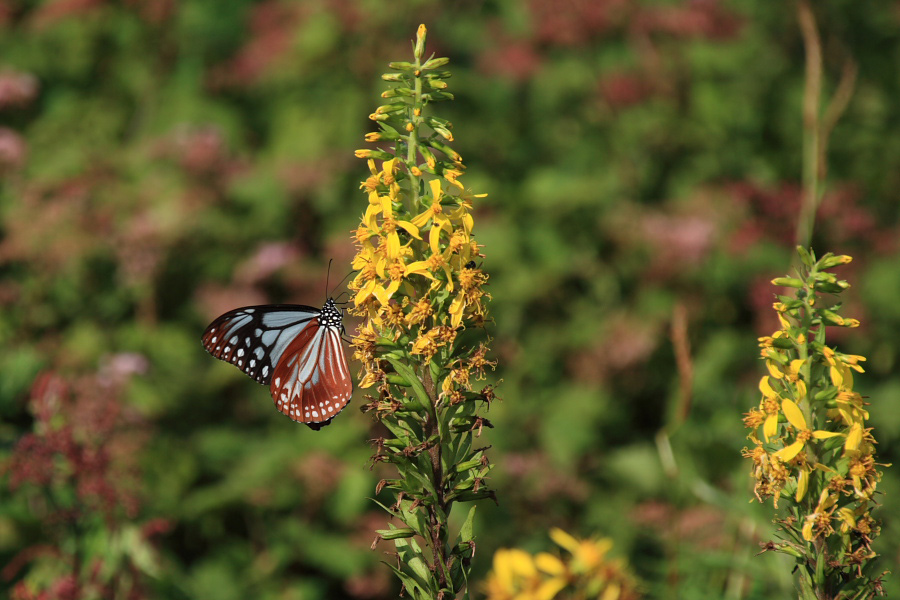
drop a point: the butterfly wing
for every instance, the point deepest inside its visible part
(312, 383)
(254, 338)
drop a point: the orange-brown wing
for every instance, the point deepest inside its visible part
(311, 383)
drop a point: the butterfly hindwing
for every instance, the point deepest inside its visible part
(312, 382)
(253, 338)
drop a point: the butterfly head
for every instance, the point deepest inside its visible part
(331, 316)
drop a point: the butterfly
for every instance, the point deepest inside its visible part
(294, 349)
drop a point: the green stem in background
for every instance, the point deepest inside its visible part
(817, 125)
(812, 93)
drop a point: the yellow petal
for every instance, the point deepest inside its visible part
(774, 369)
(796, 365)
(786, 454)
(836, 377)
(503, 569)
(410, 228)
(848, 377)
(766, 389)
(457, 307)
(368, 381)
(420, 267)
(520, 563)
(770, 427)
(393, 246)
(824, 435)
(564, 540)
(807, 529)
(801, 389)
(847, 517)
(434, 239)
(613, 591)
(802, 485)
(854, 438)
(549, 563)
(549, 589)
(794, 414)
(436, 191)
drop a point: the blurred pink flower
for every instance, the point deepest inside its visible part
(269, 258)
(695, 18)
(512, 59)
(154, 11)
(17, 89)
(273, 25)
(201, 150)
(56, 10)
(118, 368)
(13, 150)
(621, 90)
(574, 22)
(682, 239)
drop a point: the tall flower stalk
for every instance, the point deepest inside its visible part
(418, 286)
(812, 449)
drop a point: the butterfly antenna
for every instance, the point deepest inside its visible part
(327, 277)
(347, 276)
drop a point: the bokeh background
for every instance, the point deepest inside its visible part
(165, 161)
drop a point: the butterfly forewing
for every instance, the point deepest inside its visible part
(294, 349)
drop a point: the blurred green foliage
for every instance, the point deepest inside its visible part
(165, 161)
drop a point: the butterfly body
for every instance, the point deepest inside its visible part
(294, 349)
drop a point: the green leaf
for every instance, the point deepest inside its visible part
(466, 533)
(409, 582)
(411, 555)
(418, 389)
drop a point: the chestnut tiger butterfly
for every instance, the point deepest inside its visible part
(294, 349)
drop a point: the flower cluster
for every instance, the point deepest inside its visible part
(584, 572)
(77, 479)
(419, 287)
(811, 445)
